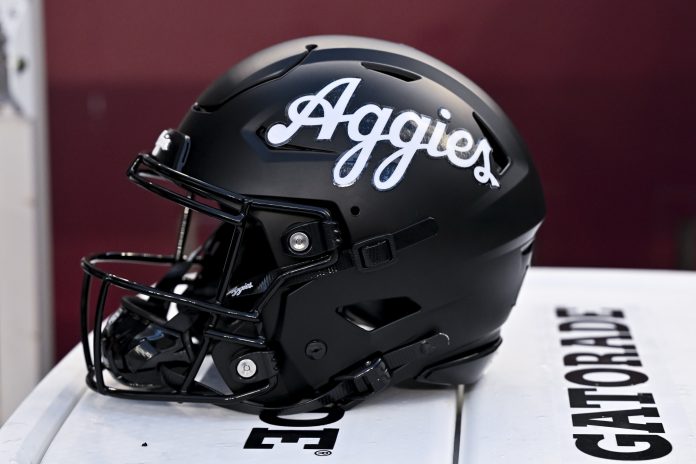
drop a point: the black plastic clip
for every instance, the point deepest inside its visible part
(172, 149)
(374, 253)
(323, 236)
(372, 377)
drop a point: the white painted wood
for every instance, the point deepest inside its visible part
(19, 343)
(26, 317)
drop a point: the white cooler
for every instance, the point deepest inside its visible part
(596, 366)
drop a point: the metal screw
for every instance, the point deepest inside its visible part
(299, 242)
(316, 349)
(246, 368)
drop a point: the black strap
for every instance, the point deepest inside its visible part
(369, 378)
(409, 353)
(382, 250)
(415, 233)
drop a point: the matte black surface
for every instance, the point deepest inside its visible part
(468, 244)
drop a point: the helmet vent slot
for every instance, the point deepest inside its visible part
(261, 133)
(374, 314)
(500, 158)
(392, 71)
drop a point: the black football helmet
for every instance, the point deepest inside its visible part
(375, 215)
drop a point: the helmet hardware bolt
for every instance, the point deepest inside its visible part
(299, 242)
(246, 368)
(316, 349)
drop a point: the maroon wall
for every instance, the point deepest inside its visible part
(603, 91)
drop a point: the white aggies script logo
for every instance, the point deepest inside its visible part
(408, 133)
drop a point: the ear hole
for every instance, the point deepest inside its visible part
(374, 314)
(354, 210)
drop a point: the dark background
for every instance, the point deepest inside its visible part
(602, 91)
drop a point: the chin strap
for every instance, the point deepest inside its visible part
(370, 377)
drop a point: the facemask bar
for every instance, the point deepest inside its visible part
(350, 387)
(143, 171)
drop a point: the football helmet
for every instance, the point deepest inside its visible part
(374, 216)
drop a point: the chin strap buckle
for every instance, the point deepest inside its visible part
(375, 375)
(371, 377)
